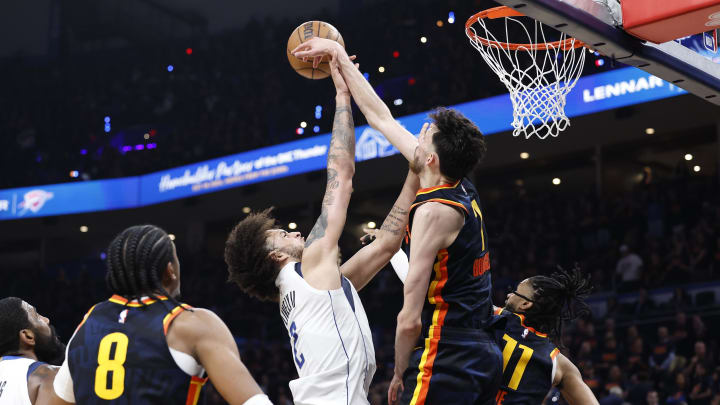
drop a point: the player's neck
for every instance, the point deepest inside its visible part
(29, 354)
(429, 179)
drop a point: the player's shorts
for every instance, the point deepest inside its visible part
(463, 367)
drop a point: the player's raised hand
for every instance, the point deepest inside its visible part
(316, 48)
(370, 235)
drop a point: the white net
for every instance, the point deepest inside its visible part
(537, 77)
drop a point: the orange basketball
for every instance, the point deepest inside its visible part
(301, 34)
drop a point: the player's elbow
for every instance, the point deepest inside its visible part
(408, 325)
(388, 243)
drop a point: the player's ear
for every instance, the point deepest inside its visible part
(27, 337)
(277, 256)
(431, 159)
(170, 272)
(526, 305)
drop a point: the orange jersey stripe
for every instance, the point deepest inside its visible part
(554, 353)
(196, 384)
(522, 322)
(442, 201)
(118, 299)
(431, 342)
(440, 187)
(172, 315)
(85, 317)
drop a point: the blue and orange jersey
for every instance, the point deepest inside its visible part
(119, 355)
(528, 362)
(459, 294)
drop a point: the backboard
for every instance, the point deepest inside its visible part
(692, 63)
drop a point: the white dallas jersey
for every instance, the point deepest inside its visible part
(331, 341)
(13, 380)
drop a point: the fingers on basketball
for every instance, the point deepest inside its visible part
(302, 34)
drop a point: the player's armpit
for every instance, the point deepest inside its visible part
(40, 384)
(571, 384)
(211, 343)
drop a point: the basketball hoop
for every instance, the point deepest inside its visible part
(538, 74)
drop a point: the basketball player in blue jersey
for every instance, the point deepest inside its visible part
(532, 363)
(444, 352)
(27, 344)
(327, 326)
(142, 346)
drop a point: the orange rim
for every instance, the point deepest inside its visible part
(504, 11)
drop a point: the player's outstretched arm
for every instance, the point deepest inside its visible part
(366, 263)
(571, 384)
(321, 250)
(373, 108)
(435, 226)
(204, 335)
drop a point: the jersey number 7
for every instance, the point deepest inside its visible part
(110, 373)
(510, 345)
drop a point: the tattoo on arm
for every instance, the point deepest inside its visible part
(340, 153)
(394, 221)
(318, 230)
(342, 142)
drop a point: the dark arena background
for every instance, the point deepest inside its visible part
(187, 115)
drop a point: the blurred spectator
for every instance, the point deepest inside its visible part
(663, 353)
(652, 398)
(628, 269)
(615, 397)
(678, 391)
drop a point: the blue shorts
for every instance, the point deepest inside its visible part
(462, 366)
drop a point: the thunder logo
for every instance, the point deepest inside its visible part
(34, 200)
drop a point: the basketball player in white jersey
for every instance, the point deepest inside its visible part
(329, 334)
(27, 344)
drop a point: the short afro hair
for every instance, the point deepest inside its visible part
(458, 142)
(13, 319)
(247, 257)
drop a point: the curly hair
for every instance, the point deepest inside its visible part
(557, 299)
(246, 255)
(458, 142)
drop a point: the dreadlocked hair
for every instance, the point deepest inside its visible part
(247, 257)
(13, 319)
(557, 299)
(136, 260)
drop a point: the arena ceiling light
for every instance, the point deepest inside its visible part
(246, 210)
(556, 181)
(688, 157)
(292, 225)
(303, 124)
(84, 229)
(423, 40)
(381, 69)
(524, 155)
(649, 131)
(371, 225)
(171, 236)
(696, 168)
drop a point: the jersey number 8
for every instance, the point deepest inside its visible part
(110, 373)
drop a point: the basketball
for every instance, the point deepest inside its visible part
(301, 34)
